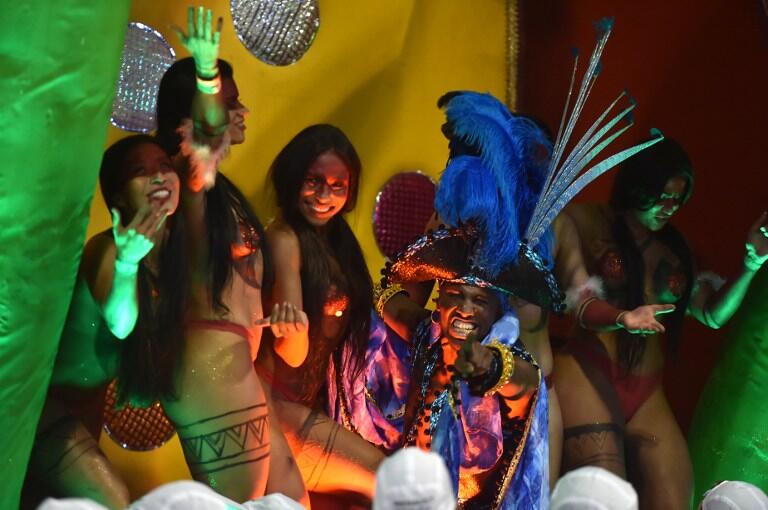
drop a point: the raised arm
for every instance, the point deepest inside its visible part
(399, 311)
(110, 267)
(714, 303)
(210, 117)
(204, 136)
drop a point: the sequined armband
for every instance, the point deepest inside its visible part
(507, 365)
(383, 294)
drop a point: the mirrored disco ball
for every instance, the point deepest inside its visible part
(146, 56)
(277, 32)
(403, 208)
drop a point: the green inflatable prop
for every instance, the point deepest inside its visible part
(58, 62)
(728, 438)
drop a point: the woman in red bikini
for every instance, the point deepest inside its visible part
(230, 439)
(615, 414)
(320, 270)
(190, 312)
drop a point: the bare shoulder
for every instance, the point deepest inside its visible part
(586, 212)
(562, 223)
(280, 233)
(590, 219)
(283, 242)
(97, 264)
(97, 251)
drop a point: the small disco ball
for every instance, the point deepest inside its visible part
(146, 57)
(277, 32)
(403, 208)
(136, 428)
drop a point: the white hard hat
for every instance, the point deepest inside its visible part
(734, 496)
(593, 488)
(414, 480)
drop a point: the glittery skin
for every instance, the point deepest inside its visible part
(146, 57)
(277, 32)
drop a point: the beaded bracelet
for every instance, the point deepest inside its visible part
(381, 295)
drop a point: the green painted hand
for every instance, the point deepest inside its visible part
(134, 241)
(757, 244)
(201, 41)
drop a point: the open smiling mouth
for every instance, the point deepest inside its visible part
(320, 210)
(160, 195)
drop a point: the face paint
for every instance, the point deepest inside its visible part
(325, 189)
(660, 212)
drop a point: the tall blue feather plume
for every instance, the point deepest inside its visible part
(499, 189)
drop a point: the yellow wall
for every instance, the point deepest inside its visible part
(376, 69)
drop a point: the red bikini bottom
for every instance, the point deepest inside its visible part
(220, 325)
(631, 389)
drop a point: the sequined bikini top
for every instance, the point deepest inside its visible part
(669, 282)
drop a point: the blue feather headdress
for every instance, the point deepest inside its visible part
(497, 189)
(504, 186)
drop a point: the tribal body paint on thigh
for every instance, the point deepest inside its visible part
(227, 445)
(596, 444)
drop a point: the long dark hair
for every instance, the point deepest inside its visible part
(639, 184)
(174, 104)
(150, 353)
(287, 173)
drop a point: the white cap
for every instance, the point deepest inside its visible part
(273, 502)
(734, 496)
(184, 495)
(593, 488)
(70, 504)
(413, 480)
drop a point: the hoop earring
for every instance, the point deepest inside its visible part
(435, 316)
